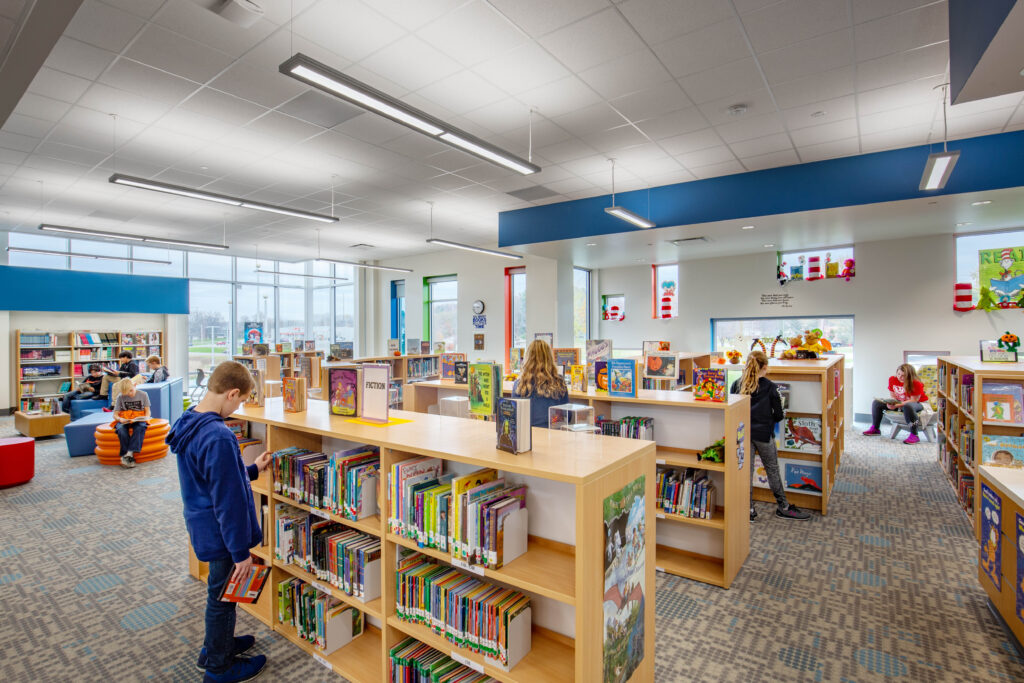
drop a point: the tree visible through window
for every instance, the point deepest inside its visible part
(442, 310)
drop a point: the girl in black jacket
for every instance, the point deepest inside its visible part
(765, 412)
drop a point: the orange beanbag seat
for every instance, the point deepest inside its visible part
(154, 447)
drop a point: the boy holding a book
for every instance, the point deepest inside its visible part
(220, 514)
(159, 370)
(131, 412)
(89, 388)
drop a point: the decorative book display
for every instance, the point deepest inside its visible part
(1002, 451)
(661, 365)
(513, 425)
(1002, 401)
(800, 434)
(484, 388)
(709, 384)
(344, 385)
(293, 389)
(448, 361)
(258, 396)
(578, 378)
(621, 377)
(598, 350)
(567, 357)
(515, 360)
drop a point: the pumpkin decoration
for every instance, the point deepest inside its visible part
(1009, 341)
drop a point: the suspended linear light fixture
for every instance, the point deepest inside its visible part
(940, 164)
(319, 277)
(46, 227)
(624, 213)
(368, 266)
(320, 76)
(51, 252)
(182, 191)
(466, 247)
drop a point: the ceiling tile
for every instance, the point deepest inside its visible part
(161, 49)
(981, 122)
(27, 125)
(141, 80)
(826, 132)
(628, 74)
(704, 49)
(374, 129)
(462, 92)
(820, 113)
(901, 95)
(589, 120)
(824, 53)
(815, 88)
(597, 163)
(501, 116)
(791, 21)
(722, 81)
(773, 160)
(866, 10)
(653, 102)
(77, 155)
(717, 170)
(58, 85)
(745, 6)
(691, 142)
(777, 142)
(125, 104)
(615, 139)
(894, 139)
(897, 118)
(199, 24)
(597, 39)
(757, 103)
(829, 150)
(705, 157)
(670, 178)
(522, 68)
(348, 27)
(905, 66)
(249, 83)
(566, 151)
(284, 129)
(412, 14)
(221, 106)
(411, 63)
(472, 33)
(903, 31)
(753, 127)
(103, 26)
(320, 109)
(659, 20)
(559, 97)
(42, 107)
(539, 17)
(673, 124)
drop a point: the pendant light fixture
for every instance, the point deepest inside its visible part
(102, 257)
(624, 213)
(465, 247)
(940, 164)
(46, 227)
(354, 264)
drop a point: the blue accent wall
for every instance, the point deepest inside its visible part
(42, 289)
(972, 26)
(986, 163)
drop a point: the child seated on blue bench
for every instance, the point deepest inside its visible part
(88, 389)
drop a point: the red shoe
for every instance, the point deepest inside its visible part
(873, 431)
(911, 439)
(108, 410)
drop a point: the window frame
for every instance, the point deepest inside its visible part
(587, 299)
(428, 305)
(655, 290)
(850, 358)
(398, 301)
(510, 274)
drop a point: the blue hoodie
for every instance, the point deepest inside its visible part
(219, 510)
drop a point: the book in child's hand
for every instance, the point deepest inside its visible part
(247, 589)
(888, 401)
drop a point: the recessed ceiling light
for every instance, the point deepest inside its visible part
(591, 244)
(737, 109)
(768, 246)
(983, 202)
(747, 227)
(960, 225)
(817, 115)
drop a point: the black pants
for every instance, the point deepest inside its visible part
(910, 411)
(65, 403)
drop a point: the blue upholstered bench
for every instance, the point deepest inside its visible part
(80, 435)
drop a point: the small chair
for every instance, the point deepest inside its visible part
(200, 385)
(154, 446)
(928, 415)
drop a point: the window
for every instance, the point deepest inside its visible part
(613, 307)
(441, 308)
(98, 265)
(664, 286)
(26, 241)
(254, 304)
(291, 303)
(209, 326)
(920, 359)
(739, 333)
(345, 309)
(831, 262)
(398, 312)
(580, 307)
(209, 266)
(320, 323)
(289, 280)
(246, 269)
(516, 307)
(1008, 274)
(177, 259)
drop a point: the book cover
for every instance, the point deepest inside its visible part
(461, 372)
(621, 377)
(709, 384)
(261, 349)
(346, 350)
(783, 394)
(293, 391)
(334, 350)
(990, 555)
(598, 349)
(247, 348)
(566, 357)
(412, 346)
(248, 588)
(425, 347)
(374, 397)
(801, 434)
(578, 377)
(652, 346)
(997, 407)
(394, 347)
(515, 360)
(661, 365)
(448, 361)
(1002, 451)
(343, 384)
(309, 345)
(482, 392)
(801, 476)
(513, 425)
(549, 337)
(1013, 390)
(601, 375)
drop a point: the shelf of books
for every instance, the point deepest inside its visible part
(811, 439)
(1001, 507)
(380, 539)
(49, 364)
(989, 423)
(405, 370)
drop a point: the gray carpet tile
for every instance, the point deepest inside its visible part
(94, 584)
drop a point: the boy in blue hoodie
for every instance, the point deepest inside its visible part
(220, 514)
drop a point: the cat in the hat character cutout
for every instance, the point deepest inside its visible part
(1009, 283)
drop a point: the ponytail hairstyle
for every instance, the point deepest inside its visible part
(756, 362)
(909, 377)
(539, 374)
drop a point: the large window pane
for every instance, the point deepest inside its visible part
(98, 265)
(29, 241)
(398, 311)
(580, 307)
(254, 304)
(288, 280)
(209, 266)
(739, 333)
(321, 322)
(666, 296)
(292, 307)
(176, 258)
(247, 267)
(209, 326)
(443, 300)
(518, 292)
(345, 313)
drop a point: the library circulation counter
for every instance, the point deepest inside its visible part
(1001, 553)
(588, 568)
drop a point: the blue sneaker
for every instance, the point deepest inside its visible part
(242, 669)
(242, 644)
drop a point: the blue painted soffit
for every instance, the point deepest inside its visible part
(43, 289)
(972, 26)
(986, 163)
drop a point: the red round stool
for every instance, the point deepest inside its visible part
(17, 460)
(108, 446)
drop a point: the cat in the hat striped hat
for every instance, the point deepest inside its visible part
(1006, 262)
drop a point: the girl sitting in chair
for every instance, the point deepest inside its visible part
(131, 412)
(907, 393)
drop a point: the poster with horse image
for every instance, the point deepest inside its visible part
(991, 556)
(624, 572)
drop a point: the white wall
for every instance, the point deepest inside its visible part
(901, 299)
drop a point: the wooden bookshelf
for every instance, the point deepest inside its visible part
(563, 567)
(405, 371)
(1006, 486)
(683, 428)
(687, 362)
(959, 453)
(817, 389)
(69, 353)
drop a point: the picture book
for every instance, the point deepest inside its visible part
(334, 350)
(598, 349)
(394, 346)
(448, 361)
(990, 556)
(343, 385)
(461, 372)
(578, 375)
(293, 391)
(567, 357)
(801, 476)
(484, 388)
(346, 350)
(549, 337)
(515, 360)
(285, 347)
(309, 345)
(424, 347)
(460, 485)
(248, 588)
(709, 384)
(373, 397)
(801, 434)
(261, 349)
(478, 341)
(1002, 451)
(412, 346)
(601, 375)
(438, 348)
(661, 365)
(247, 348)
(621, 377)
(513, 425)
(652, 346)
(1003, 401)
(760, 473)
(257, 397)
(783, 394)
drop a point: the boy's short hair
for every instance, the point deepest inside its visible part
(124, 385)
(230, 375)
(95, 367)
(154, 359)
(125, 354)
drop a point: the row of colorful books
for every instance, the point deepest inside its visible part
(468, 611)
(141, 352)
(448, 361)
(410, 661)
(966, 396)
(343, 483)
(414, 347)
(966, 444)
(95, 338)
(480, 518)
(44, 354)
(689, 493)
(39, 339)
(40, 406)
(422, 368)
(104, 353)
(965, 491)
(39, 371)
(343, 350)
(140, 338)
(628, 427)
(317, 617)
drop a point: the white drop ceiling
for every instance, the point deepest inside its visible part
(199, 101)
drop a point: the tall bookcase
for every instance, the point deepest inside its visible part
(962, 381)
(405, 370)
(63, 357)
(569, 477)
(708, 550)
(817, 390)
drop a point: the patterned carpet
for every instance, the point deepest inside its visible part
(94, 585)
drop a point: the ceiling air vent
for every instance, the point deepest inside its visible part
(360, 246)
(689, 240)
(533, 193)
